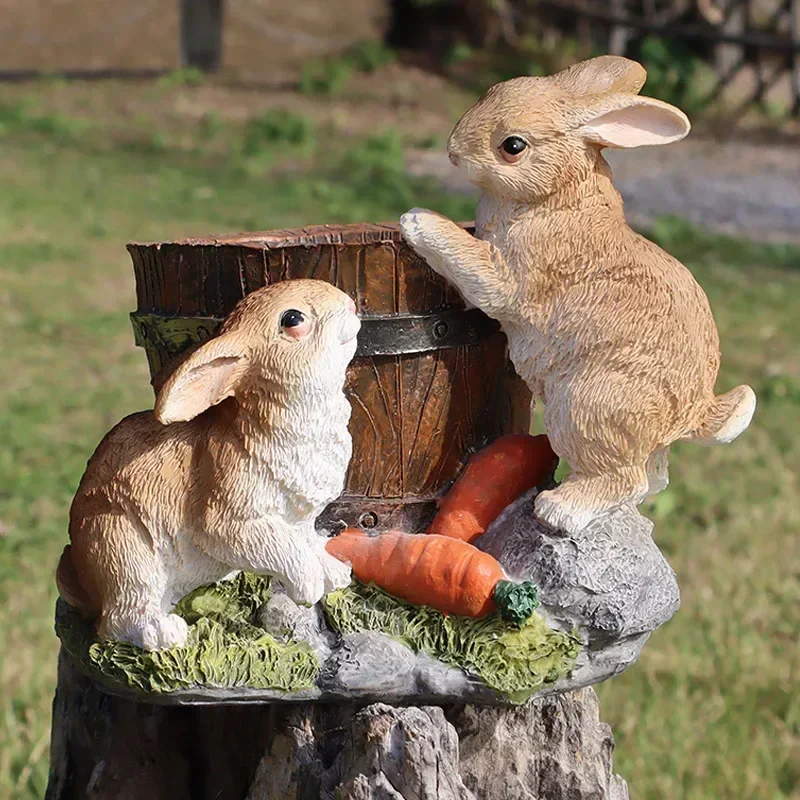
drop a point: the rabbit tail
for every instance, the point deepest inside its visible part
(727, 417)
(70, 587)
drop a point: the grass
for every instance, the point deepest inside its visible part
(330, 76)
(711, 711)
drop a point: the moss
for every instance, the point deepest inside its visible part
(224, 648)
(516, 661)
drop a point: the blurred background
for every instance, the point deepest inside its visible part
(158, 119)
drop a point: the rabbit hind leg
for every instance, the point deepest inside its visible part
(132, 584)
(150, 630)
(592, 429)
(582, 498)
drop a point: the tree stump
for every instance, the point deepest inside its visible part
(105, 747)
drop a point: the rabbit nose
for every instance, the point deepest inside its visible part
(453, 158)
(350, 305)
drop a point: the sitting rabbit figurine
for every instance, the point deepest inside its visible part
(247, 444)
(612, 333)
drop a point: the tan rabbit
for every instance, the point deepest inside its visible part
(612, 333)
(247, 444)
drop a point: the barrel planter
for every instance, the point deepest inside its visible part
(431, 381)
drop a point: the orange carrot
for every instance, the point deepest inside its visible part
(493, 478)
(451, 576)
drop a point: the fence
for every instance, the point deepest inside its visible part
(751, 47)
(754, 44)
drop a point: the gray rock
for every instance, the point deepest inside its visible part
(611, 582)
(370, 664)
(436, 679)
(285, 620)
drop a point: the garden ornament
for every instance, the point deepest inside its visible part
(613, 334)
(247, 443)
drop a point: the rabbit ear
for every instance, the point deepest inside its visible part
(206, 378)
(623, 120)
(602, 74)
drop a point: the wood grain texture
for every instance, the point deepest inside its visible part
(416, 417)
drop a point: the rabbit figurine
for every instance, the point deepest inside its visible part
(609, 331)
(247, 443)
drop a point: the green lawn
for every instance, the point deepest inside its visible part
(712, 709)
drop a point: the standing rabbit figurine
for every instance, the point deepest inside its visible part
(612, 333)
(248, 442)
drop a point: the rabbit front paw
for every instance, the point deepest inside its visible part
(163, 632)
(423, 230)
(157, 632)
(412, 224)
(308, 588)
(337, 574)
(438, 240)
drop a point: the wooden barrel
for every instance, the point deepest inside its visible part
(431, 381)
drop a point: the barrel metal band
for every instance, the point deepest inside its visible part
(379, 336)
(409, 514)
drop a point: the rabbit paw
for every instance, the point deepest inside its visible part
(436, 239)
(150, 631)
(556, 509)
(337, 574)
(658, 471)
(308, 588)
(412, 224)
(422, 229)
(159, 633)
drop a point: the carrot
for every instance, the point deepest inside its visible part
(451, 576)
(493, 478)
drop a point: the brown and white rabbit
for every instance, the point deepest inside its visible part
(247, 444)
(612, 333)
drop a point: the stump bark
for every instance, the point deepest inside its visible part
(106, 747)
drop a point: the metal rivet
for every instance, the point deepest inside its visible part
(440, 329)
(368, 520)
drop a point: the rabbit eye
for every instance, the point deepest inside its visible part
(292, 318)
(294, 324)
(512, 148)
(514, 145)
